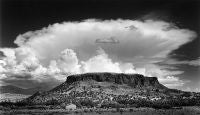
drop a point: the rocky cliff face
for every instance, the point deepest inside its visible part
(133, 80)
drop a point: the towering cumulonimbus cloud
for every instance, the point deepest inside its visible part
(150, 39)
(128, 46)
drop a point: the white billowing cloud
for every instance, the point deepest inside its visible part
(19, 58)
(195, 62)
(2, 65)
(171, 81)
(40, 70)
(101, 63)
(142, 71)
(150, 39)
(27, 62)
(127, 68)
(53, 68)
(68, 61)
(26, 57)
(10, 59)
(128, 46)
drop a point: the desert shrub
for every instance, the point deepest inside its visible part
(36, 107)
(161, 105)
(112, 105)
(76, 112)
(121, 111)
(7, 103)
(23, 103)
(117, 109)
(189, 102)
(52, 102)
(4, 108)
(1, 107)
(130, 110)
(85, 111)
(148, 103)
(125, 101)
(186, 94)
(78, 104)
(87, 103)
(182, 102)
(143, 103)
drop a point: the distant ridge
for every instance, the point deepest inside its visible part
(16, 90)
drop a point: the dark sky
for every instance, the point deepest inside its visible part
(20, 16)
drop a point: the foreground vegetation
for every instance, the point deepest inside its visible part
(120, 102)
(124, 111)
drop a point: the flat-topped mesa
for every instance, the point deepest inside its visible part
(86, 84)
(133, 80)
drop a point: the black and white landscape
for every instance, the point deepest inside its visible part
(99, 57)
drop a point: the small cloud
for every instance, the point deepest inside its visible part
(195, 62)
(110, 40)
(132, 27)
(172, 82)
(156, 15)
(186, 62)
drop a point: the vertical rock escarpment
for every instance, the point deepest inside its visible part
(133, 80)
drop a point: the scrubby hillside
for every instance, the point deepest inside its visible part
(109, 89)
